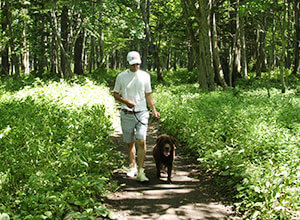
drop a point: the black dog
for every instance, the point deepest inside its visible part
(164, 154)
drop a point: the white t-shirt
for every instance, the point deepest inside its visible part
(133, 86)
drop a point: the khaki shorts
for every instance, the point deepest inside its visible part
(132, 127)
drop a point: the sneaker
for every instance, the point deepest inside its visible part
(132, 171)
(141, 176)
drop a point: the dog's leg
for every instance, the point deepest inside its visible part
(170, 167)
(158, 166)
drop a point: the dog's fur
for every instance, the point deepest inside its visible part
(164, 154)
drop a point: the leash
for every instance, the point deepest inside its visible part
(157, 133)
(134, 113)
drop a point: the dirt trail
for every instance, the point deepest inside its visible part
(188, 197)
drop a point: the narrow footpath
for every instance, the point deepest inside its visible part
(190, 196)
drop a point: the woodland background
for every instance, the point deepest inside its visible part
(225, 78)
(220, 40)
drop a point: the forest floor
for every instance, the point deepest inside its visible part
(192, 195)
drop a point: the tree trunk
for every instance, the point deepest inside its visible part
(168, 57)
(238, 52)
(145, 9)
(65, 58)
(232, 46)
(101, 57)
(4, 26)
(41, 59)
(282, 57)
(258, 50)
(244, 49)
(261, 37)
(15, 67)
(205, 70)
(296, 68)
(25, 57)
(190, 57)
(157, 63)
(78, 54)
(54, 61)
(216, 57)
(273, 60)
(91, 64)
(191, 33)
(288, 61)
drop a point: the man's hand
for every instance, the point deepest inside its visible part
(156, 114)
(129, 104)
(118, 97)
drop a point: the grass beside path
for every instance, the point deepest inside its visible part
(56, 155)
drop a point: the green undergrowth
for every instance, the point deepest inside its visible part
(56, 156)
(250, 141)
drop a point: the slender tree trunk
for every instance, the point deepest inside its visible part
(101, 57)
(282, 57)
(232, 45)
(238, 47)
(78, 54)
(190, 57)
(41, 59)
(157, 63)
(145, 9)
(273, 60)
(258, 57)
(65, 59)
(25, 57)
(244, 49)
(288, 61)
(4, 26)
(175, 60)
(15, 67)
(191, 32)
(216, 57)
(54, 62)
(91, 64)
(296, 68)
(261, 37)
(204, 66)
(168, 59)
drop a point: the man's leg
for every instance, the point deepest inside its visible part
(141, 154)
(131, 153)
(131, 157)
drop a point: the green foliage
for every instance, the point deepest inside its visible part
(243, 136)
(56, 156)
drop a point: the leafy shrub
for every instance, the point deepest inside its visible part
(242, 135)
(56, 156)
(180, 76)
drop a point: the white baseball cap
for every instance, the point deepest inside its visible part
(134, 57)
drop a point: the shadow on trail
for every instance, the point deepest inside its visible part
(188, 197)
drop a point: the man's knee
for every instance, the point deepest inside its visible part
(141, 143)
(130, 145)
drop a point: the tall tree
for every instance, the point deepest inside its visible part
(201, 11)
(78, 54)
(296, 9)
(65, 58)
(4, 25)
(145, 11)
(215, 49)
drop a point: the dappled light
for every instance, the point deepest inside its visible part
(220, 79)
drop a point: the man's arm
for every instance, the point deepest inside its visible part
(119, 98)
(151, 104)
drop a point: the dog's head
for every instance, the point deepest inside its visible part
(166, 144)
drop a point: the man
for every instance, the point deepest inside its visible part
(133, 90)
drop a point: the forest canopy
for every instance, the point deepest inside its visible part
(218, 41)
